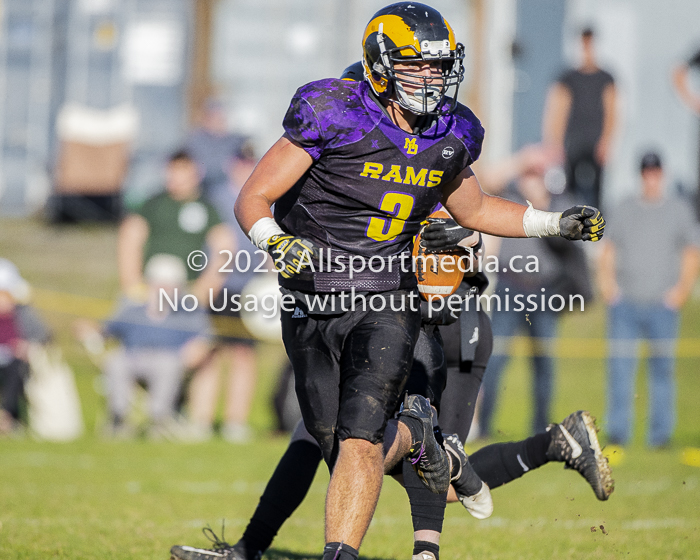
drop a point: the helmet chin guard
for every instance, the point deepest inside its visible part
(422, 101)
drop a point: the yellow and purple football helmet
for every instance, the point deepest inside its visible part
(405, 32)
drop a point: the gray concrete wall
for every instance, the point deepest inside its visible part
(263, 50)
(537, 59)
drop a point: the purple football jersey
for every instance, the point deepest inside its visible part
(371, 184)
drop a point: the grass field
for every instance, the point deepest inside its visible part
(117, 500)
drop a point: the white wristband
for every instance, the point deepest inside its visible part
(262, 230)
(538, 223)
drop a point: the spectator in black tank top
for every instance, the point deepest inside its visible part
(580, 119)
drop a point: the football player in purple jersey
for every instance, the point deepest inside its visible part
(359, 167)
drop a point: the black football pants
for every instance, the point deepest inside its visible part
(350, 370)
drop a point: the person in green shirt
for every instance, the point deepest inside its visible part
(176, 222)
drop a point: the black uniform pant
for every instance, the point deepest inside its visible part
(350, 370)
(463, 376)
(440, 373)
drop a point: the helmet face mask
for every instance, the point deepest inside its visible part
(399, 42)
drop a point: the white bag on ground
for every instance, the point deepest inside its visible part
(54, 405)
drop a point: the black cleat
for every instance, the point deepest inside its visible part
(575, 442)
(428, 458)
(193, 553)
(471, 491)
(220, 551)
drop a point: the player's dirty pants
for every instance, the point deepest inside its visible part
(429, 371)
(350, 370)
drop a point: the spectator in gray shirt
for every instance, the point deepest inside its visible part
(646, 275)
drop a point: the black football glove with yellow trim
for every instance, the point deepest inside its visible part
(436, 315)
(444, 235)
(291, 254)
(582, 222)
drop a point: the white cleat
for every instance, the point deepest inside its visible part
(425, 555)
(480, 505)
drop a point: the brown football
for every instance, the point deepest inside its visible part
(438, 274)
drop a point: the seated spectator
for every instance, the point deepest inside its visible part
(157, 346)
(19, 325)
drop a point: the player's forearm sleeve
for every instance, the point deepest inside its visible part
(538, 223)
(262, 230)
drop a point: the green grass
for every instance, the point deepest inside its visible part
(117, 500)
(134, 500)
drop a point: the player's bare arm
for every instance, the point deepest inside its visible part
(472, 208)
(278, 171)
(133, 233)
